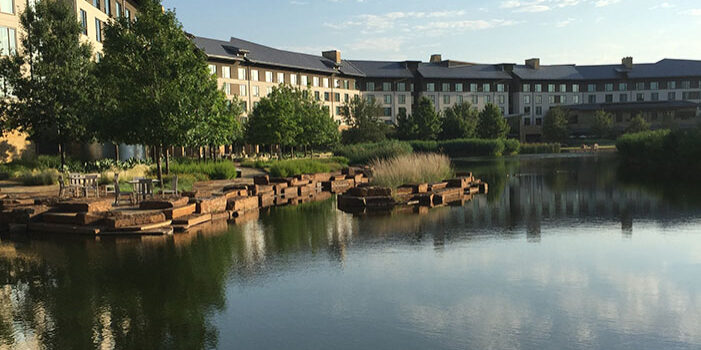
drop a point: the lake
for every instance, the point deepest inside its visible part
(565, 252)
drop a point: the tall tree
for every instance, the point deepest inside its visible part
(363, 119)
(603, 124)
(275, 120)
(221, 126)
(51, 79)
(319, 130)
(491, 123)
(423, 124)
(637, 124)
(159, 78)
(459, 122)
(556, 125)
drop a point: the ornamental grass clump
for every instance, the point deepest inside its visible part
(411, 169)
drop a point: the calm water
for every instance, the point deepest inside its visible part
(564, 253)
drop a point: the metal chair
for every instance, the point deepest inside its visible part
(174, 187)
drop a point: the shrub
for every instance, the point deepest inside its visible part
(223, 170)
(363, 153)
(425, 146)
(411, 168)
(511, 146)
(647, 147)
(472, 147)
(292, 167)
(539, 148)
(38, 177)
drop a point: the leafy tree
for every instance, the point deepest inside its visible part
(603, 124)
(459, 122)
(491, 123)
(363, 118)
(275, 120)
(555, 125)
(405, 126)
(319, 130)
(637, 124)
(423, 124)
(52, 79)
(219, 127)
(157, 80)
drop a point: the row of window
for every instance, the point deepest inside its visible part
(279, 77)
(386, 86)
(609, 98)
(8, 41)
(459, 87)
(620, 118)
(106, 7)
(652, 85)
(255, 92)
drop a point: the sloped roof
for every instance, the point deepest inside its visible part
(667, 68)
(383, 69)
(632, 106)
(472, 71)
(261, 54)
(558, 72)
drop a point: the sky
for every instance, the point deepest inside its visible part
(481, 31)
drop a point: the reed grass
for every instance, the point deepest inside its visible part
(411, 169)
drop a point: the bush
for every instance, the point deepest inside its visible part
(539, 148)
(411, 168)
(472, 147)
(223, 170)
(654, 147)
(293, 167)
(425, 146)
(38, 177)
(363, 153)
(511, 146)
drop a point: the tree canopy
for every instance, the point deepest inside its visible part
(51, 81)
(556, 125)
(423, 124)
(459, 122)
(637, 124)
(602, 124)
(491, 123)
(363, 119)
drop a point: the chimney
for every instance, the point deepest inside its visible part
(533, 63)
(507, 67)
(627, 62)
(333, 55)
(436, 58)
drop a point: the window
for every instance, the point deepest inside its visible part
(592, 98)
(402, 110)
(317, 96)
(268, 77)
(609, 87)
(98, 30)
(370, 98)
(268, 90)
(460, 99)
(623, 98)
(622, 87)
(370, 86)
(212, 69)
(671, 85)
(640, 97)
(609, 98)
(458, 87)
(526, 88)
(402, 99)
(118, 9)
(254, 75)
(551, 87)
(255, 90)
(337, 97)
(551, 99)
(7, 6)
(336, 84)
(304, 80)
(686, 84)
(487, 99)
(473, 88)
(538, 110)
(430, 87)
(293, 79)
(539, 99)
(346, 98)
(654, 85)
(387, 112)
(386, 86)
(575, 87)
(640, 86)
(527, 99)
(401, 86)
(338, 110)
(446, 99)
(485, 87)
(242, 74)
(327, 96)
(315, 81)
(502, 99)
(538, 88)
(500, 87)
(475, 99)
(655, 96)
(672, 96)
(127, 13)
(591, 88)
(326, 82)
(281, 78)
(346, 84)
(226, 72)
(445, 87)
(388, 99)
(527, 121)
(96, 3)
(242, 90)
(244, 105)
(538, 121)
(563, 87)
(227, 89)
(84, 22)
(527, 110)
(575, 99)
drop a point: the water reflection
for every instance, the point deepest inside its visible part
(564, 253)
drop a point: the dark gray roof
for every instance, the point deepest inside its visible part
(383, 69)
(667, 68)
(269, 56)
(633, 106)
(563, 72)
(473, 71)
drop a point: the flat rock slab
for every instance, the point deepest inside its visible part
(145, 227)
(289, 192)
(369, 191)
(260, 189)
(21, 215)
(157, 231)
(261, 180)
(415, 188)
(174, 213)
(266, 200)
(379, 202)
(42, 227)
(242, 203)
(127, 218)
(90, 205)
(80, 219)
(164, 203)
(447, 195)
(11, 203)
(279, 187)
(460, 182)
(321, 177)
(192, 220)
(437, 186)
(211, 205)
(338, 186)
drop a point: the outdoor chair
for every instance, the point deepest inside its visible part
(174, 187)
(114, 188)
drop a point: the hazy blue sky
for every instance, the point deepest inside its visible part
(557, 31)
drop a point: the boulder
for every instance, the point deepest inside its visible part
(260, 189)
(242, 204)
(266, 200)
(369, 191)
(338, 186)
(174, 213)
(261, 180)
(460, 182)
(82, 219)
(211, 205)
(130, 218)
(85, 205)
(164, 203)
(417, 188)
(437, 186)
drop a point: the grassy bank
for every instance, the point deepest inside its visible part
(293, 167)
(667, 152)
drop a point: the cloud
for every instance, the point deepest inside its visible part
(564, 23)
(534, 6)
(298, 3)
(405, 21)
(664, 5)
(466, 24)
(603, 3)
(692, 12)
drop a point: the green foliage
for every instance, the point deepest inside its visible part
(603, 124)
(293, 167)
(637, 124)
(219, 127)
(223, 170)
(511, 146)
(319, 130)
(459, 122)
(363, 153)
(54, 100)
(649, 147)
(473, 147)
(423, 124)
(420, 146)
(363, 118)
(539, 148)
(491, 123)
(410, 169)
(555, 125)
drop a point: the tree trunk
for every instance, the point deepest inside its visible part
(62, 151)
(157, 150)
(116, 152)
(167, 161)
(292, 151)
